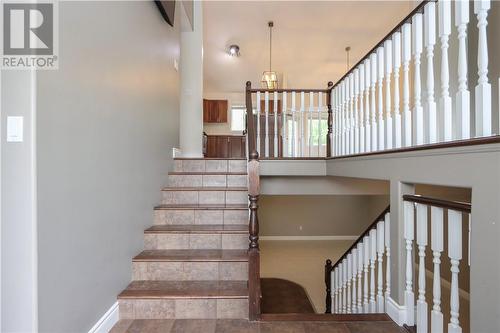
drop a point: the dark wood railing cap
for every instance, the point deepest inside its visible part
(454, 205)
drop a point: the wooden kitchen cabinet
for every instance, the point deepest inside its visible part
(215, 111)
(226, 146)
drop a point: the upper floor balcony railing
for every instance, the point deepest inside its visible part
(400, 95)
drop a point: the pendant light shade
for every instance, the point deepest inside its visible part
(270, 78)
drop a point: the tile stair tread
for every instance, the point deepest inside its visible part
(206, 188)
(198, 228)
(192, 255)
(203, 206)
(184, 289)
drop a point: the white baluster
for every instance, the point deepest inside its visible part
(266, 112)
(380, 259)
(284, 131)
(335, 122)
(361, 119)
(360, 275)
(418, 111)
(366, 262)
(396, 40)
(483, 87)
(342, 122)
(302, 146)
(355, 111)
(373, 258)
(387, 239)
(354, 280)
(294, 129)
(351, 113)
(341, 290)
(374, 127)
(380, 114)
(409, 216)
(275, 111)
(320, 116)
(333, 290)
(445, 100)
(422, 243)
(388, 72)
(344, 286)
(349, 283)
(455, 254)
(309, 130)
(258, 122)
(437, 248)
(430, 41)
(368, 125)
(407, 134)
(463, 95)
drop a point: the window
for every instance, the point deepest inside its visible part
(238, 118)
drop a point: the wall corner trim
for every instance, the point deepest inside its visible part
(395, 311)
(107, 321)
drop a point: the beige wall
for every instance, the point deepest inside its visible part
(318, 215)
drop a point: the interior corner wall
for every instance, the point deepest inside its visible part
(107, 122)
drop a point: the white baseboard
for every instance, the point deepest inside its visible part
(395, 311)
(107, 321)
(306, 238)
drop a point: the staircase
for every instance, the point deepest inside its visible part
(195, 262)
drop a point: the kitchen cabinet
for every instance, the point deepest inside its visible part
(226, 146)
(215, 111)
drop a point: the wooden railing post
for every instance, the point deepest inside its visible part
(328, 283)
(330, 119)
(254, 290)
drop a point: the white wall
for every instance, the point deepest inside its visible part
(107, 122)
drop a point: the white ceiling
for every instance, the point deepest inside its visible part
(309, 39)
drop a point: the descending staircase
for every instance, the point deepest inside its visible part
(195, 262)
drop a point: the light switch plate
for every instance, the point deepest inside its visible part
(15, 129)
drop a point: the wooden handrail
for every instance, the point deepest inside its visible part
(329, 88)
(408, 17)
(455, 205)
(360, 238)
(251, 131)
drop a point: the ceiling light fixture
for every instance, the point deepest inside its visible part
(234, 50)
(270, 78)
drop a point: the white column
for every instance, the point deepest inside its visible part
(430, 41)
(437, 248)
(396, 40)
(191, 87)
(355, 111)
(445, 100)
(374, 127)
(275, 111)
(380, 114)
(483, 87)
(463, 95)
(266, 124)
(360, 275)
(368, 125)
(422, 243)
(388, 72)
(366, 262)
(418, 111)
(407, 133)
(361, 119)
(409, 296)
(373, 258)
(380, 260)
(455, 254)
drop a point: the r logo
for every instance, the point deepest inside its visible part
(28, 29)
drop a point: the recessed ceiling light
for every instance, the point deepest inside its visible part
(233, 50)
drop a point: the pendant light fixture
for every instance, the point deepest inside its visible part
(270, 78)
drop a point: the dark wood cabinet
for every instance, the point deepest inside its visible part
(226, 146)
(215, 111)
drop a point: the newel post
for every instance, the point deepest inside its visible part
(254, 289)
(328, 283)
(330, 119)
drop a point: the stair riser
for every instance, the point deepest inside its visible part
(205, 197)
(207, 180)
(194, 216)
(190, 271)
(179, 241)
(170, 308)
(210, 166)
